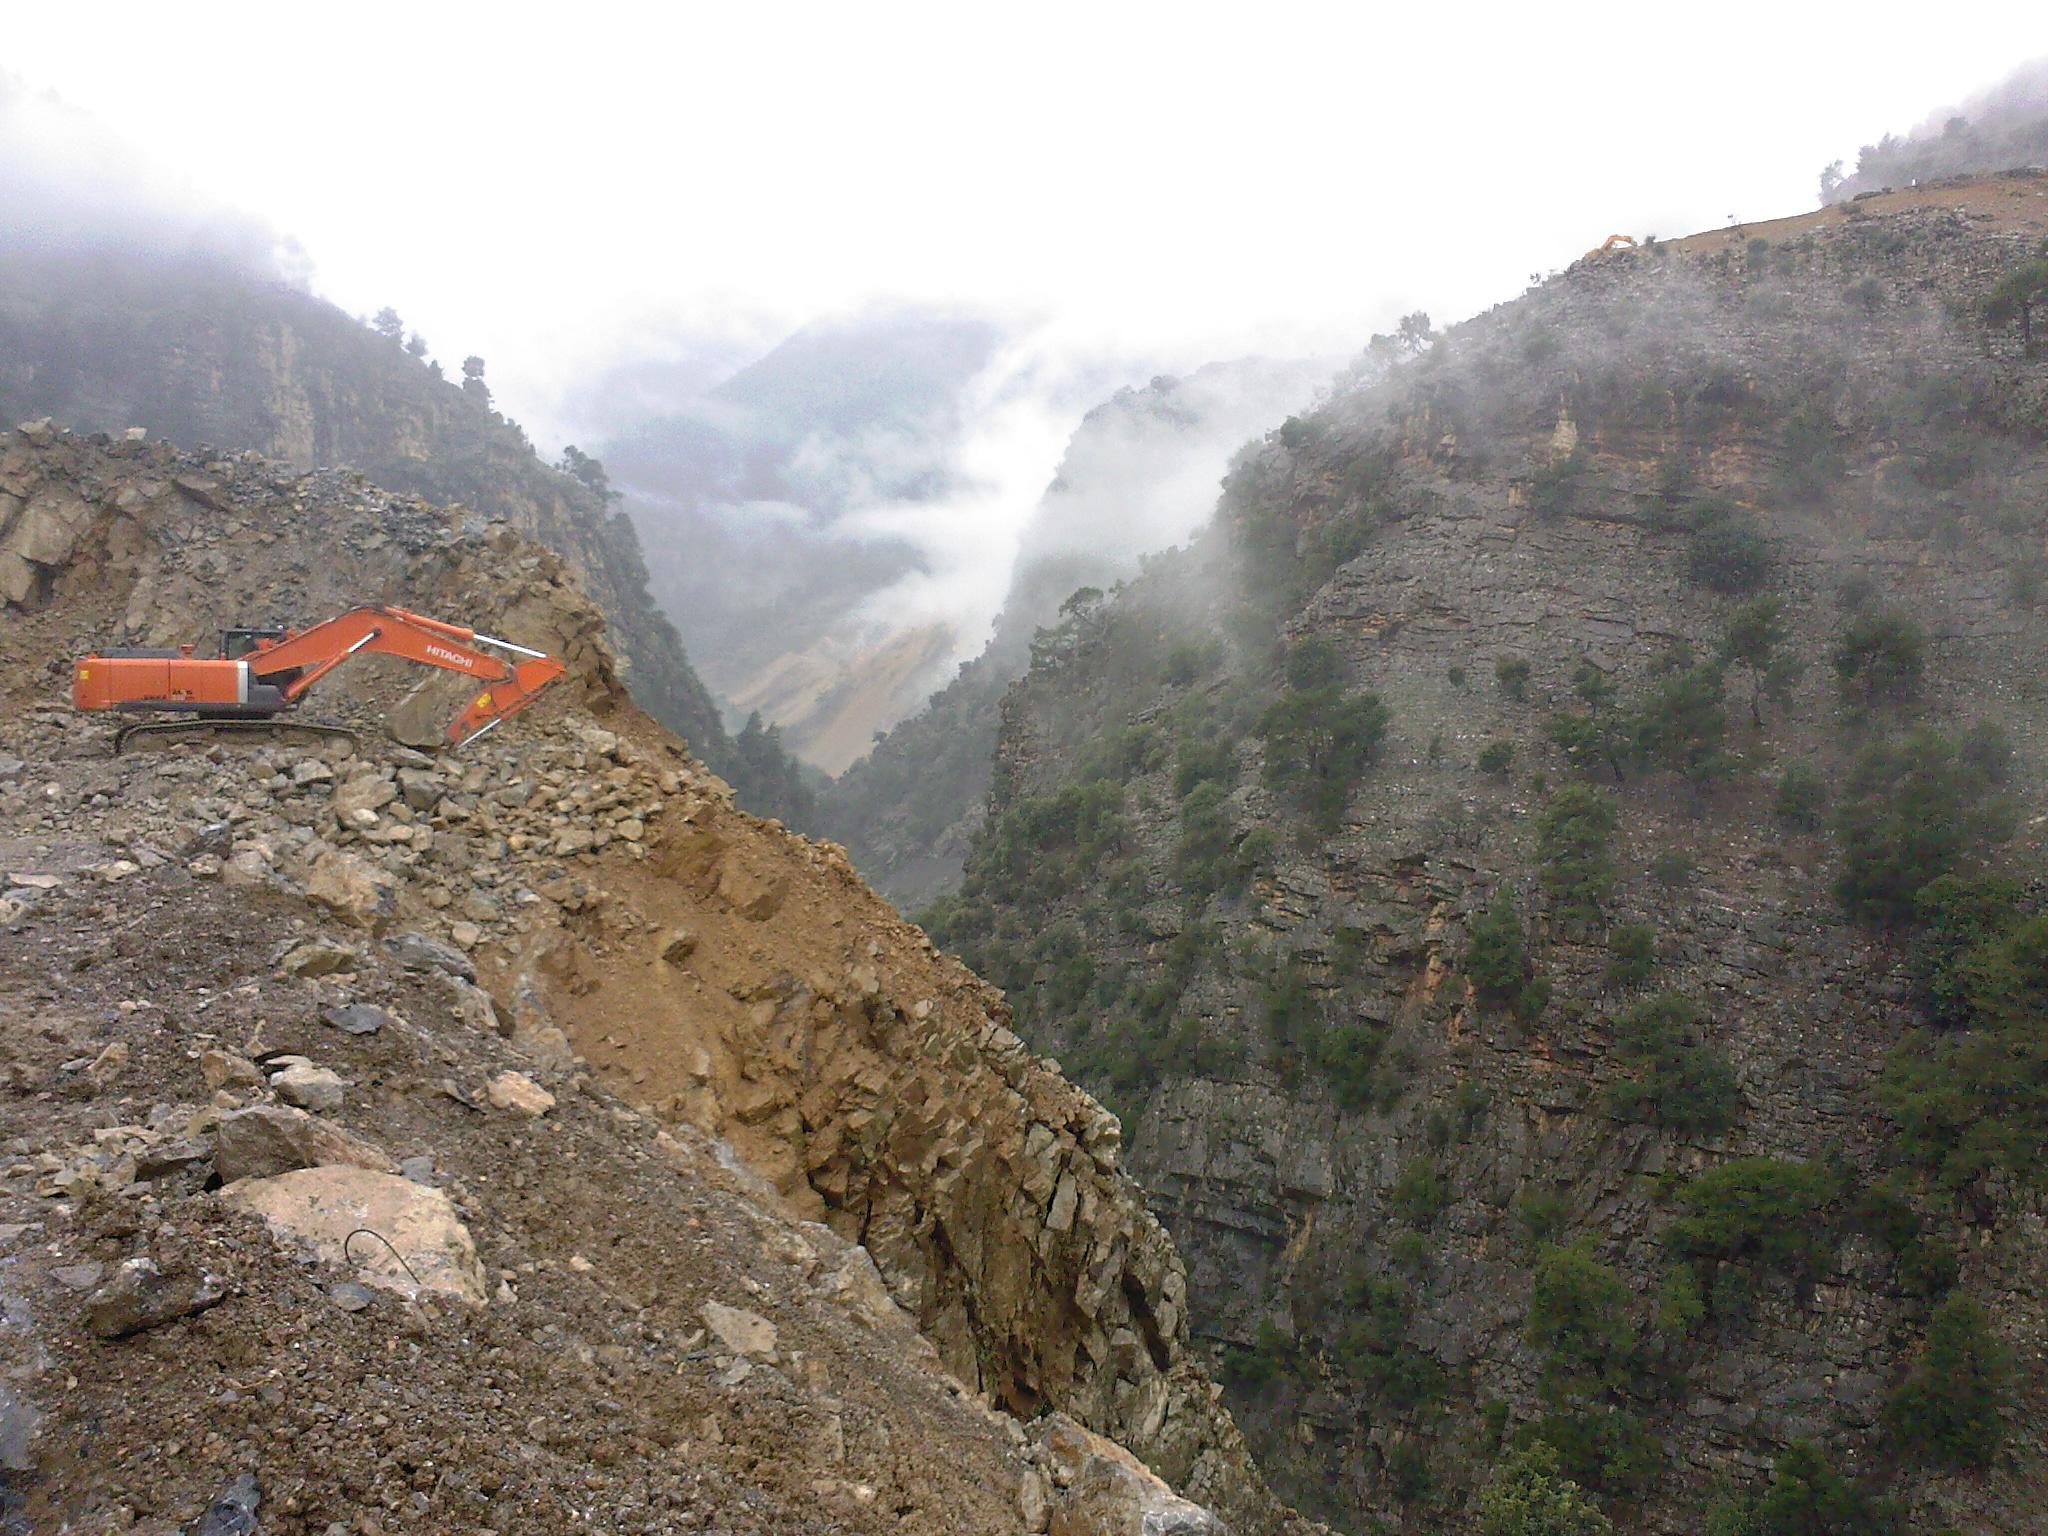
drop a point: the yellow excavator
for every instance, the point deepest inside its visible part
(1612, 244)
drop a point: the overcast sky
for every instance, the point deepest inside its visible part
(555, 186)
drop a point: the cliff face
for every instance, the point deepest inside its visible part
(1460, 912)
(697, 1164)
(198, 353)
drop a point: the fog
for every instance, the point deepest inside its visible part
(624, 212)
(68, 182)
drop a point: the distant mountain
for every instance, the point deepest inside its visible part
(741, 492)
(1141, 473)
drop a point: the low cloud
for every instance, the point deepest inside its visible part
(68, 185)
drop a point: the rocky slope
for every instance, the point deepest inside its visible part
(1488, 946)
(515, 1139)
(201, 352)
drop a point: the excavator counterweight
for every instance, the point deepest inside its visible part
(261, 673)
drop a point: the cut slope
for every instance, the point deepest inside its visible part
(727, 978)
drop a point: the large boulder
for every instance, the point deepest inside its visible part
(1101, 1489)
(391, 1232)
(37, 537)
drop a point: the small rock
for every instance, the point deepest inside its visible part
(18, 1422)
(466, 934)
(224, 1069)
(78, 1277)
(310, 1087)
(351, 887)
(270, 1139)
(417, 952)
(520, 1093)
(420, 1170)
(362, 796)
(171, 1155)
(743, 1332)
(356, 1018)
(678, 945)
(317, 957)
(234, 1512)
(349, 1296)
(142, 1296)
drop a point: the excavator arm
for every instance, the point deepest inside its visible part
(304, 658)
(274, 672)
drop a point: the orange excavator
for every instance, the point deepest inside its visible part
(261, 673)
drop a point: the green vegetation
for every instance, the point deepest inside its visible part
(1947, 1409)
(1911, 811)
(1681, 724)
(1512, 673)
(1727, 551)
(1528, 1496)
(1574, 835)
(1497, 961)
(1578, 1315)
(1973, 1098)
(1269, 1357)
(1554, 487)
(1631, 954)
(1880, 657)
(1319, 740)
(1602, 1446)
(1754, 640)
(1674, 868)
(1802, 797)
(1496, 757)
(1806, 1497)
(1811, 465)
(1049, 844)
(1925, 1265)
(1680, 1307)
(2015, 297)
(1374, 1351)
(1208, 857)
(1681, 1081)
(1419, 1195)
(1761, 1210)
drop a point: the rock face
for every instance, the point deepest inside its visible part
(872, 1132)
(1364, 1155)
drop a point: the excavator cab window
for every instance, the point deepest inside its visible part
(237, 643)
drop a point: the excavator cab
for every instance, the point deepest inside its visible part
(237, 643)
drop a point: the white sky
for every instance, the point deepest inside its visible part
(555, 186)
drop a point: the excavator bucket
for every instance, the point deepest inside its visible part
(502, 700)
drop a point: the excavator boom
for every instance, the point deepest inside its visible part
(261, 674)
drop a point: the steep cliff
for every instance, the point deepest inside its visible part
(520, 1138)
(1486, 872)
(198, 351)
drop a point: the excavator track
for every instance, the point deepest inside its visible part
(151, 730)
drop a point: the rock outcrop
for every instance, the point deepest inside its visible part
(556, 981)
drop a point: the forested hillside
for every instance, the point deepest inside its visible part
(1551, 881)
